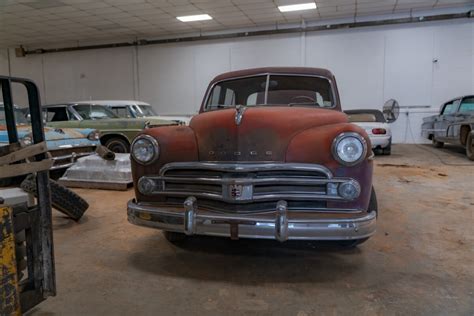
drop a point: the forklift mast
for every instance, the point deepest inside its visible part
(26, 244)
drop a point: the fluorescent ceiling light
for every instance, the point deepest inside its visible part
(297, 7)
(193, 18)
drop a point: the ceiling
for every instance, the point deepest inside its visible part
(49, 22)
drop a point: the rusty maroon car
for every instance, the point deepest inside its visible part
(270, 155)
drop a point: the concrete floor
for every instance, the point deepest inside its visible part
(421, 261)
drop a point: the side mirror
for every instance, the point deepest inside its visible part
(391, 110)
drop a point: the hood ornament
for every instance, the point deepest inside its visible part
(239, 113)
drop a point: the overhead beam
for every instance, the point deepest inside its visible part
(317, 28)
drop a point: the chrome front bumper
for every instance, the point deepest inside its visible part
(281, 224)
(68, 159)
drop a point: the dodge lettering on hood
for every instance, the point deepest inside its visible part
(270, 155)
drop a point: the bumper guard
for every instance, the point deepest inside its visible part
(281, 225)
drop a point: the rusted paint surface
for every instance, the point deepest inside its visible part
(9, 293)
(265, 133)
(177, 143)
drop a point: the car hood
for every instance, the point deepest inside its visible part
(125, 123)
(49, 132)
(262, 135)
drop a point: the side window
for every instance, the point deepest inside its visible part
(121, 111)
(58, 114)
(449, 108)
(467, 105)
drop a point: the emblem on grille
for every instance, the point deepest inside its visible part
(239, 113)
(235, 191)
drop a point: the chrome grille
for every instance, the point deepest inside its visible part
(241, 183)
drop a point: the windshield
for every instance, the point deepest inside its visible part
(19, 116)
(264, 90)
(144, 111)
(94, 112)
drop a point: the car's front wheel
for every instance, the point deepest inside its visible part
(470, 147)
(174, 236)
(118, 145)
(373, 206)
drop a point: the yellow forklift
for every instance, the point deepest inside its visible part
(26, 237)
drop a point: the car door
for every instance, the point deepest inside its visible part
(444, 122)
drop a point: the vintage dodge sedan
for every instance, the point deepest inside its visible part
(270, 155)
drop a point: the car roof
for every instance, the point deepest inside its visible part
(112, 102)
(98, 102)
(275, 70)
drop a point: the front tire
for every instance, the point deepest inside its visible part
(118, 145)
(470, 146)
(173, 237)
(373, 206)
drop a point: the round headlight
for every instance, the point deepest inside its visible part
(349, 190)
(145, 149)
(349, 148)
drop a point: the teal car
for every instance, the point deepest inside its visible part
(65, 145)
(115, 133)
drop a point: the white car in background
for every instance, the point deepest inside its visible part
(374, 123)
(137, 109)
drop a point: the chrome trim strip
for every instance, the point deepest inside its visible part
(257, 181)
(256, 197)
(246, 167)
(71, 156)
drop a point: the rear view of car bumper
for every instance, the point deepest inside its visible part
(380, 141)
(281, 224)
(65, 157)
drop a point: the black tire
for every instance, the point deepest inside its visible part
(470, 146)
(373, 206)
(437, 144)
(387, 150)
(62, 199)
(118, 145)
(174, 236)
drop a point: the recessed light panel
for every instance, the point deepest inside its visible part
(297, 7)
(194, 18)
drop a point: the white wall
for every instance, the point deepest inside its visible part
(371, 65)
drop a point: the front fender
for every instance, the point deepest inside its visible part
(314, 145)
(177, 143)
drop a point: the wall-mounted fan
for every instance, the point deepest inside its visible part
(391, 110)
